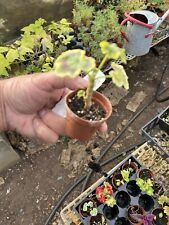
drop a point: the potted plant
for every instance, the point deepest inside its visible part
(119, 178)
(98, 220)
(88, 208)
(131, 166)
(88, 109)
(104, 194)
(135, 210)
(145, 174)
(144, 219)
(161, 215)
(145, 185)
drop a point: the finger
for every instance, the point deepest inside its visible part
(53, 121)
(43, 132)
(50, 81)
(103, 128)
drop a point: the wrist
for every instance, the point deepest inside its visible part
(3, 122)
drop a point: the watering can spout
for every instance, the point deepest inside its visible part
(161, 19)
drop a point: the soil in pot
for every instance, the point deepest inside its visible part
(132, 188)
(157, 220)
(122, 221)
(83, 213)
(110, 212)
(146, 174)
(115, 180)
(98, 220)
(83, 123)
(146, 202)
(131, 165)
(122, 199)
(134, 209)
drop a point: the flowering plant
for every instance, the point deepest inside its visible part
(145, 219)
(104, 194)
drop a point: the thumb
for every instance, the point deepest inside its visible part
(50, 81)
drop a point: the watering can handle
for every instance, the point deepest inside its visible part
(131, 19)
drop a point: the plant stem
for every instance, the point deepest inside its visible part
(102, 62)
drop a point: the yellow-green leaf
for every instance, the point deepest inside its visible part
(4, 64)
(3, 49)
(112, 51)
(69, 63)
(119, 76)
(12, 55)
(88, 64)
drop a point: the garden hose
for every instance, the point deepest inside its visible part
(159, 86)
(58, 204)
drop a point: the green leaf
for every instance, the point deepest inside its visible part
(4, 65)
(72, 62)
(166, 210)
(12, 55)
(47, 43)
(81, 94)
(111, 202)
(112, 51)
(85, 207)
(160, 215)
(163, 199)
(3, 49)
(94, 212)
(119, 76)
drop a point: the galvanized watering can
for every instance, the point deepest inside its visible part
(141, 26)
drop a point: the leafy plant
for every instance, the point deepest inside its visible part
(156, 4)
(130, 5)
(164, 202)
(145, 185)
(125, 176)
(104, 194)
(144, 219)
(89, 207)
(72, 63)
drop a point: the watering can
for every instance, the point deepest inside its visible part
(141, 26)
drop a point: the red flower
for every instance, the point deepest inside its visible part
(102, 198)
(109, 189)
(98, 190)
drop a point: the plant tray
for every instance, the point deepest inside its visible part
(162, 123)
(154, 132)
(71, 213)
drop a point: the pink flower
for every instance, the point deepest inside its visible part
(102, 198)
(109, 189)
(98, 190)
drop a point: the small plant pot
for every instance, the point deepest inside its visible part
(146, 202)
(157, 220)
(128, 165)
(110, 212)
(80, 128)
(145, 174)
(134, 209)
(132, 188)
(122, 199)
(115, 177)
(98, 220)
(122, 221)
(158, 189)
(80, 208)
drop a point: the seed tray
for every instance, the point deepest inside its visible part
(70, 212)
(162, 123)
(155, 135)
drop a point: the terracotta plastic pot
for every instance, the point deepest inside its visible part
(145, 174)
(132, 165)
(86, 214)
(82, 129)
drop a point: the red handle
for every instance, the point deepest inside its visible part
(131, 19)
(124, 35)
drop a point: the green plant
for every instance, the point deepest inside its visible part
(129, 6)
(164, 202)
(156, 4)
(125, 176)
(36, 49)
(105, 26)
(145, 185)
(72, 63)
(89, 207)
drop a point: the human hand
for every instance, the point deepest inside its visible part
(27, 103)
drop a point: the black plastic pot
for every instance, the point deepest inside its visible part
(122, 199)
(122, 221)
(110, 212)
(146, 202)
(157, 220)
(132, 188)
